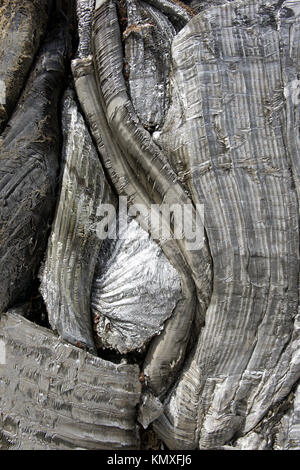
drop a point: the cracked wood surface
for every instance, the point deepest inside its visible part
(57, 396)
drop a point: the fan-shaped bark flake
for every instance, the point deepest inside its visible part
(135, 289)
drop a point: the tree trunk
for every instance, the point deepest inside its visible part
(145, 112)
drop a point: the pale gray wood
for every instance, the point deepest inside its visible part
(57, 396)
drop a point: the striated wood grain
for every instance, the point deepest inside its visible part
(29, 150)
(67, 274)
(183, 108)
(56, 396)
(236, 137)
(148, 31)
(22, 25)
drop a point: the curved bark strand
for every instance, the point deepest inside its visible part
(136, 141)
(178, 13)
(121, 175)
(29, 151)
(22, 26)
(73, 246)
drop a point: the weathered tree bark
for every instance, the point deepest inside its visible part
(173, 102)
(29, 153)
(22, 25)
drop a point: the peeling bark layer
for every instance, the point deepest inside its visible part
(56, 396)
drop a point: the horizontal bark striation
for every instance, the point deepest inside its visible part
(85, 9)
(237, 135)
(29, 150)
(22, 24)
(56, 396)
(135, 289)
(148, 38)
(67, 275)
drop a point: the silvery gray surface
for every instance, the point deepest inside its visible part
(84, 9)
(57, 396)
(148, 30)
(235, 73)
(135, 289)
(230, 141)
(67, 273)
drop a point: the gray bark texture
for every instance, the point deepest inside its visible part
(109, 344)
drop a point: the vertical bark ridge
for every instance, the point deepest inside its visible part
(231, 55)
(22, 24)
(67, 275)
(29, 150)
(162, 350)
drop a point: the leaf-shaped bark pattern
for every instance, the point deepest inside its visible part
(135, 289)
